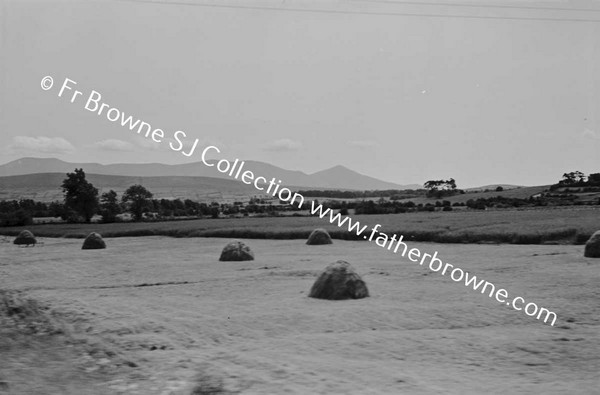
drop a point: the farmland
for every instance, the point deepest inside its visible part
(567, 225)
(159, 315)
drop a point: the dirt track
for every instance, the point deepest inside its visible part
(156, 315)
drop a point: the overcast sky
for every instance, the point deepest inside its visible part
(511, 96)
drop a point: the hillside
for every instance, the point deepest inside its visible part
(516, 193)
(492, 187)
(45, 187)
(338, 177)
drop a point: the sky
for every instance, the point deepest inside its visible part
(483, 92)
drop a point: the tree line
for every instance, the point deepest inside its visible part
(577, 179)
(82, 201)
(392, 194)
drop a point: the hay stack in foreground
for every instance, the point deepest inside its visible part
(339, 281)
(25, 238)
(236, 251)
(592, 247)
(93, 242)
(318, 237)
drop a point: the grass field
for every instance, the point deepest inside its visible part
(572, 225)
(515, 193)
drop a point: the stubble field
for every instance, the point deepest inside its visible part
(159, 315)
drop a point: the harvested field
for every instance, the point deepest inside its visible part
(159, 315)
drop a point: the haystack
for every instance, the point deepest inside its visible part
(318, 237)
(93, 242)
(592, 247)
(236, 251)
(339, 281)
(25, 238)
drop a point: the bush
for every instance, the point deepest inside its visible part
(17, 218)
(71, 216)
(109, 208)
(478, 204)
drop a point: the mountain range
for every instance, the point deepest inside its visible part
(338, 177)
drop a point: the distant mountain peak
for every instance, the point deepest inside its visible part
(336, 177)
(339, 167)
(336, 169)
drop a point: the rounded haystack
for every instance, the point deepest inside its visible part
(25, 238)
(339, 281)
(318, 237)
(236, 251)
(93, 242)
(592, 247)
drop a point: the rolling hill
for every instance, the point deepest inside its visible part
(473, 193)
(45, 187)
(337, 177)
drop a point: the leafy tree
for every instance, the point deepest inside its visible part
(19, 217)
(109, 206)
(594, 179)
(572, 178)
(138, 198)
(432, 184)
(440, 184)
(478, 204)
(80, 196)
(440, 188)
(451, 183)
(56, 209)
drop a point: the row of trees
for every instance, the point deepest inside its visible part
(393, 194)
(36, 209)
(81, 199)
(383, 206)
(441, 188)
(432, 188)
(21, 212)
(578, 179)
